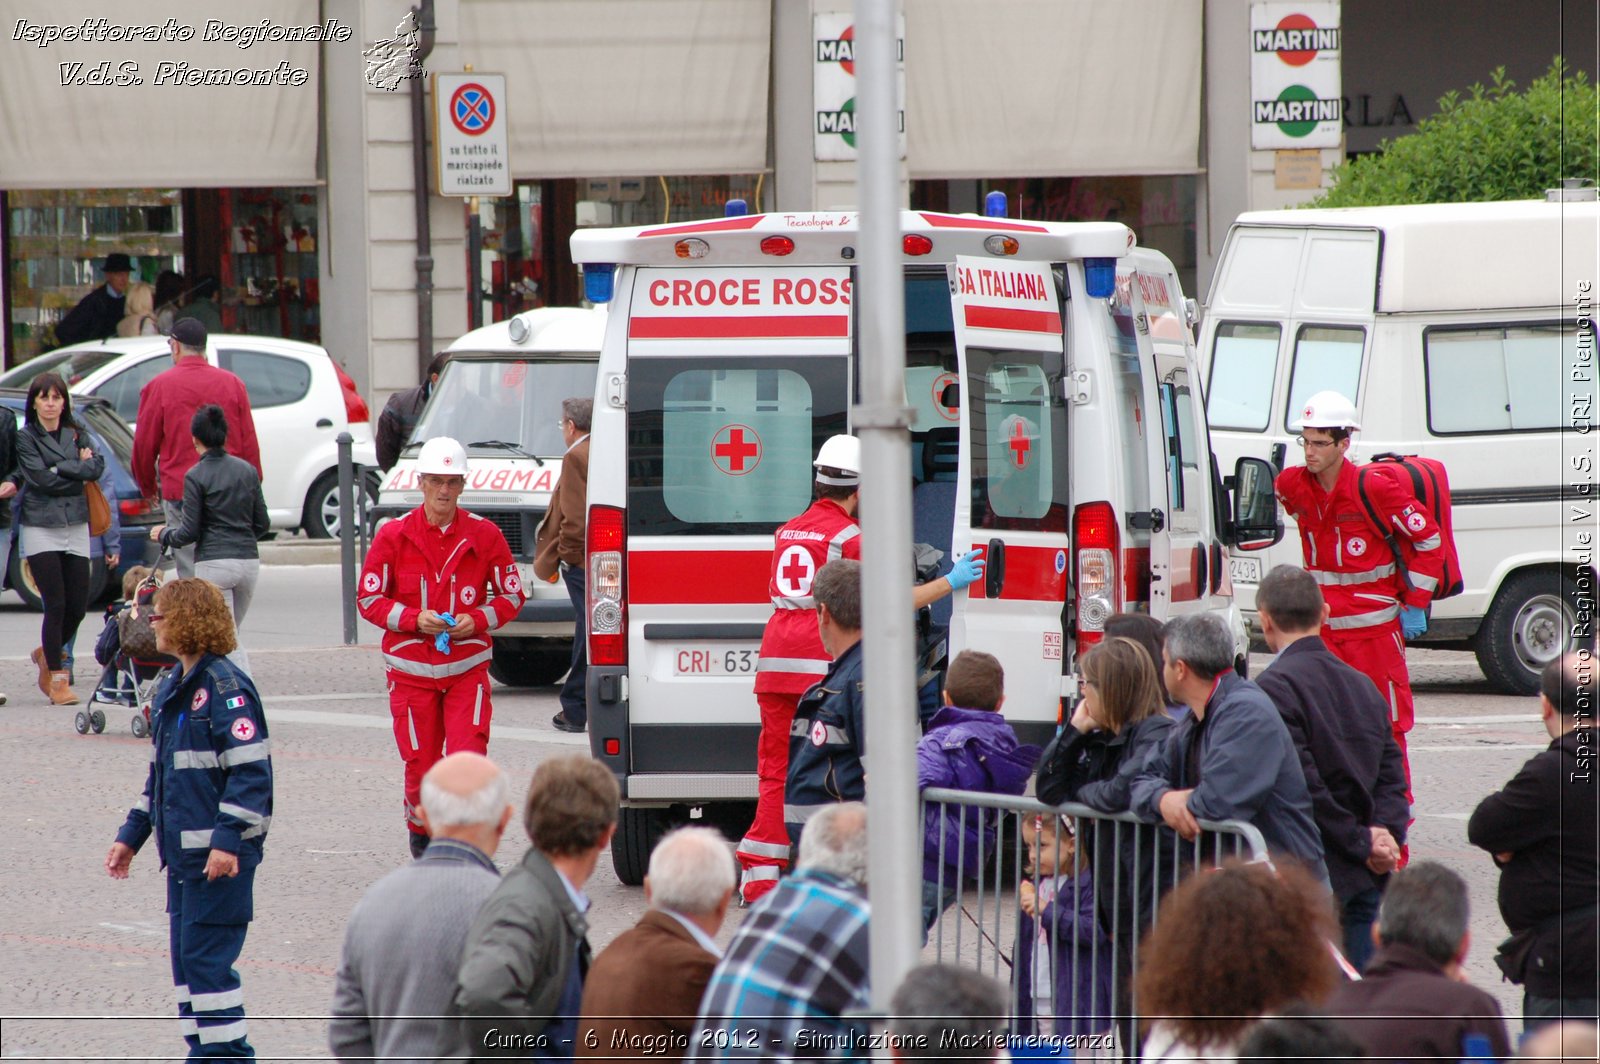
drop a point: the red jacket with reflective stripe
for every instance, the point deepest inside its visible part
(465, 570)
(1353, 564)
(792, 658)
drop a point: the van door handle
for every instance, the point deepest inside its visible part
(994, 572)
(324, 423)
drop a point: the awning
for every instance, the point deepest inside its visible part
(208, 113)
(624, 87)
(1052, 88)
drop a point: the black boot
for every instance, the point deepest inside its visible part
(419, 843)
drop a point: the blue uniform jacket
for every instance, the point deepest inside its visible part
(210, 781)
(827, 742)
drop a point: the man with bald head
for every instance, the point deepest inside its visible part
(405, 937)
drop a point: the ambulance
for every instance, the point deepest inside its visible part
(1050, 424)
(500, 396)
(1461, 332)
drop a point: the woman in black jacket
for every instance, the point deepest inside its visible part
(56, 462)
(224, 514)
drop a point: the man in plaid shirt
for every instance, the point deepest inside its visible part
(798, 963)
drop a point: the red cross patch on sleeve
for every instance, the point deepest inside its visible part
(244, 729)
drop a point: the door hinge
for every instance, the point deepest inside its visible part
(1148, 521)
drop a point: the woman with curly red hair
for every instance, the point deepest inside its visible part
(1228, 946)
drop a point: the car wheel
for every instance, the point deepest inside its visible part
(529, 663)
(1529, 626)
(20, 577)
(638, 831)
(321, 517)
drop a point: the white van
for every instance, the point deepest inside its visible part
(1047, 427)
(500, 396)
(1458, 330)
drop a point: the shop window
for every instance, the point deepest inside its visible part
(269, 276)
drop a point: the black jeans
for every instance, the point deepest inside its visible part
(574, 699)
(63, 582)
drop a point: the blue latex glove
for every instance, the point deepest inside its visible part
(1413, 621)
(441, 642)
(967, 569)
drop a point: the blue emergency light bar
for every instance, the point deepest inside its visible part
(735, 208)
(599, 281)
(1099, 277)
(994, 205)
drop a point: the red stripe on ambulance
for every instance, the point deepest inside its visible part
(668, 577)
(1041, 321)
(721, 225)
(1031, 575)
(993, 225)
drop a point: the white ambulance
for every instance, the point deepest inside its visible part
(1050, 425)
(500, 396)
(1462, 332)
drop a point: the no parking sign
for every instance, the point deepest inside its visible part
(472, 154)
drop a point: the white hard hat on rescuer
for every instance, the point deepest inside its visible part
(840, 454)
(1326, 410)
(442, 456)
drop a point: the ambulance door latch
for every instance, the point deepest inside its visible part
(1076, 387)
(617, 390)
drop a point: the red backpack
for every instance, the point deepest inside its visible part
(1427, 481)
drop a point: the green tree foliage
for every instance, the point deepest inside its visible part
(1496, 144)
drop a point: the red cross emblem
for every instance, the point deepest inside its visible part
(795, 571)
(736, 449)
(940, 383)
(1019, 444)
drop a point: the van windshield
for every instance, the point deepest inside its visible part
(514, 400)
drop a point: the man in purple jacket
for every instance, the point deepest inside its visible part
(968, 747)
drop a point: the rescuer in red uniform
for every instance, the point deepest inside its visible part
(1370, 605)
(792, 658)
(437, 561)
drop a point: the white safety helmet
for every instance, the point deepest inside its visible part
(1326, 410)
(841, 454)
(442, 456)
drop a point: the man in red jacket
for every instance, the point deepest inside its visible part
(1373, 605)
(167, 405)
(439, 571)
(792, 657)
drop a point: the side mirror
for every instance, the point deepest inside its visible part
(1256, 524)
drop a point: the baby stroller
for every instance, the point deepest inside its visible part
(133, 668)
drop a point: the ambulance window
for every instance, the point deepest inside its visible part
(1327, 358)
(1244, 362)
(725, 445)
(515, 400)
(1504, 378)
(1127, 391)
(1019, 468)
(1184, 489)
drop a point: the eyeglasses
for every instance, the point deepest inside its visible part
(1315, 445)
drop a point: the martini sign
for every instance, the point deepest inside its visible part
(833, 83)
(1295, 80)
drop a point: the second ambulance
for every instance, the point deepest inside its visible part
(1054, 425)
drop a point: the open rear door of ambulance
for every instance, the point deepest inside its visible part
(1013, 474)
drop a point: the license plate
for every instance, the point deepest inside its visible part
(1244, 570)
(714, 661)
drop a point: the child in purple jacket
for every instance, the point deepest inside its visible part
(968, 747)
(1062, 973)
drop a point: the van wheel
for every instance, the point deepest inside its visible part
(529, 663)
(638, 831)
(1529, 626)
(320, 518)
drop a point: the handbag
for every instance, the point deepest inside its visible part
(137, 634)
(99, 509)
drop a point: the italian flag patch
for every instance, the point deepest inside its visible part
(237, 702)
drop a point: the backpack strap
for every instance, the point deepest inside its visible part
(1383, 531)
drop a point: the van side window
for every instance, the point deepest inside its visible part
(1244, 363)
(724, 445)
(1326, 358)
(1504, 378)
(1132, 419)
(1183, 451)
(1019, 468)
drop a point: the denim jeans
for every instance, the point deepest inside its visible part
(574, 699)
(1356, 916)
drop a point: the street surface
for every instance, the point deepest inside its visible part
(83, 958)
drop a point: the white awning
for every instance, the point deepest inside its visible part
(607, 87)
(60, 127)
(1052, 88)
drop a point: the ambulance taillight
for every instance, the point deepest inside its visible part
(608, 613)
(1094, 540)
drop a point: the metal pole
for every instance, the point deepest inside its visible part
(419, 191)
(474, 264)
(882, 422)
(347, 537)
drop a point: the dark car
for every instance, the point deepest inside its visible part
(138, 514)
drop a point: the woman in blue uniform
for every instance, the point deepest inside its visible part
(208, 798)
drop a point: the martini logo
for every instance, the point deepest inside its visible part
(843, 121)
(1296, 40)
(1297, 111)
(843, 51)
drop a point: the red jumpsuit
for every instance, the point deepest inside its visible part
(1359, 579)
(438, 700)
(792, 659)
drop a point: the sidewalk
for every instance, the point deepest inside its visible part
(298, 550)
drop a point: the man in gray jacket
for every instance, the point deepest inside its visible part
(521, 979)
(403, 944)
(1232, 757)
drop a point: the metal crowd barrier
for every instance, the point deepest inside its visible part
(981, 927)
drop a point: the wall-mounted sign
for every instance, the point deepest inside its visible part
(833, 82)
(472, 155)
(1295, 75)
